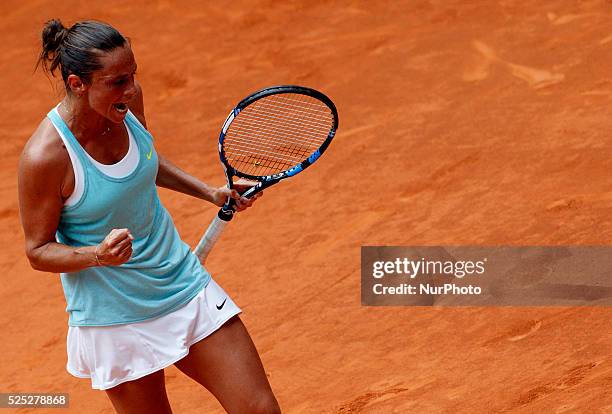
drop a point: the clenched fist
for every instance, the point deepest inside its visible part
(115, 249)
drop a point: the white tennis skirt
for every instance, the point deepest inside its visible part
(111, 355)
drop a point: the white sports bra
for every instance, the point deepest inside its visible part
(121, 169)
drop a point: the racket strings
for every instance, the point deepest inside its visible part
(256, 131)
(276, 133)
(279, 157)
(292, 151)
(264, 121)
(268, 119)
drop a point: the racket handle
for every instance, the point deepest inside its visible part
(212, 234)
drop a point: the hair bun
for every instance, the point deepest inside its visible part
(76, 50)
(53, 35)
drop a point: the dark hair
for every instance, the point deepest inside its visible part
(76, 50)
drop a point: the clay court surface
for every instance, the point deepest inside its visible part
(481, 122)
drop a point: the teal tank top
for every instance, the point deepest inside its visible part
(162, 274)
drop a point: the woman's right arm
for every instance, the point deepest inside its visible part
(42, 170)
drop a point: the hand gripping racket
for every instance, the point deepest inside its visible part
(270, 135)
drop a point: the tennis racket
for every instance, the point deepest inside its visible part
(271, 135)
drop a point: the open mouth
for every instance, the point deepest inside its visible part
(120, 107)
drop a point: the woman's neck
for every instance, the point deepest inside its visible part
(85, 123)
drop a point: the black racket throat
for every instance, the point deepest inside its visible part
(226, 213)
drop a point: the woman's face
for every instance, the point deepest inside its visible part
(112, 86)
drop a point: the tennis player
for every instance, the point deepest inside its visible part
(137, 297)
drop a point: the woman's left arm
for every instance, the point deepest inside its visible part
(172, 177)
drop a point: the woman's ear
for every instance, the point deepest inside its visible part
(76, 85)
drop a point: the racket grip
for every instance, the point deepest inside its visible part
(212, 234)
